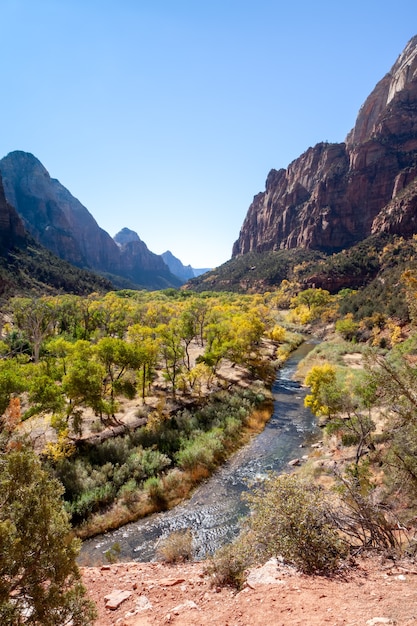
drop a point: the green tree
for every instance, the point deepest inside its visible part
(172, 352)
(82, 384)
(347, 327)
(39, 578)
(118, 357)
(312, 298)
(347, 400)
(12, 382)
(146, 345)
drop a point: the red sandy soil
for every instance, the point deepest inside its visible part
(374, 591)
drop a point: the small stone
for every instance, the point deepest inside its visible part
(294, 462)
(379, 620)
(143, 603)
(115, 598)
(187, 605)
(170, 582)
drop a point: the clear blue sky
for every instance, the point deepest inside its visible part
(166, 116)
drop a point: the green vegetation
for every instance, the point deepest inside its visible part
(39, 578)
(147, 393)
(150, 468)
(290, 518)
(190, 371)
(255, 271)
(371, 270)
(33, 269)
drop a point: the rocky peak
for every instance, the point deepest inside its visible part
(334, 195)
(398, 80)
(126, 236)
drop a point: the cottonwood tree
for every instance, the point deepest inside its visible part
(118, 358)
(172, 352)
(347, 401)
(83, 383)
(35, 317)
(146, 344)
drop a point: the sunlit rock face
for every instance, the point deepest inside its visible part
(57, 220)
(335, 195)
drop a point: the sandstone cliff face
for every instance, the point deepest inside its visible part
(335, 195)
(53, 216)
(12, 232)
(62, 224)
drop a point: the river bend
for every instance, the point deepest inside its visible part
(215, 508)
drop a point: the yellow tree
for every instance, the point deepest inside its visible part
(147, 345)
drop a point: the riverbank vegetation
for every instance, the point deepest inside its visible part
(363, 472)
(132, 398)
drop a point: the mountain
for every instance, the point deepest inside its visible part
(337, 194)
(198, 271)
(26, 267)
(59, 222)
(184, 272)
(12, 232)
(126, 236)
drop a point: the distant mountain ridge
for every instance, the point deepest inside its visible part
(185, 272)
(28, 268)
(58, 221)
(336, 194)
(176, 267)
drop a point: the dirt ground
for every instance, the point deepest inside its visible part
(370, 593)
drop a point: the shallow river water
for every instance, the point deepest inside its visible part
(215, 508)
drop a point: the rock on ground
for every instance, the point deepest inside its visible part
(372, 593)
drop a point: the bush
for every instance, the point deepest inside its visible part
(227, 567)
(347, 327)
(289, 517)
(177, 547)
(155, 490)
(205, 450)
(39, 577)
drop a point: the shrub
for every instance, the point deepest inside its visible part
(205, 450)
(113, 553)
(289, 517)
(177, 547)
(129, 492)
(227, 567)
(347, 327)
(155, 490)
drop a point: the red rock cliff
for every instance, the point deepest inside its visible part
(335, 195)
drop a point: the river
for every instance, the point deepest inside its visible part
(215, 508)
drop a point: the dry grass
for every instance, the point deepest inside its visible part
(176, 548)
